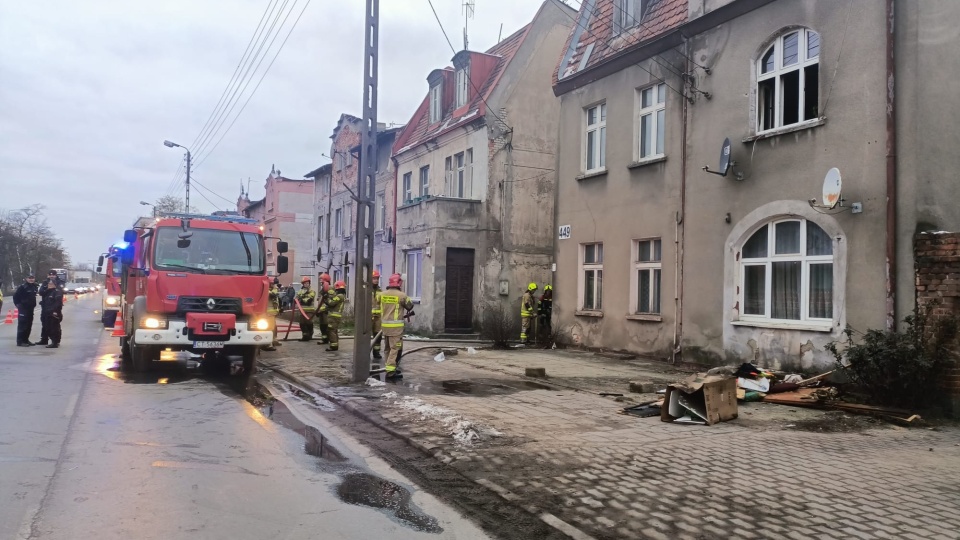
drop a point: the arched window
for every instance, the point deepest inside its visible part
(786, 273)
(788, 80)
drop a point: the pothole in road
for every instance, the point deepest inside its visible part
(368, 490)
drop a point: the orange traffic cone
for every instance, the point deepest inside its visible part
(118, 327)
(9, 319)
(16, 313)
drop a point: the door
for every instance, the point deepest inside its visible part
(458, 300)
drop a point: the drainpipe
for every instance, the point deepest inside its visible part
(680, 229)
(396, 230)
(891, 171)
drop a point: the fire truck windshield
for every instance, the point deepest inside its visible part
(210, 252)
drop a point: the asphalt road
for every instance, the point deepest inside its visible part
(88, 451)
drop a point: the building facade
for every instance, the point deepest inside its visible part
(658, 256)
(286, 212)
(335, 205)
(475, 170)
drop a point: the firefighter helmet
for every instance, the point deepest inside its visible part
(547, 288)
(375, 277)
(325, 277)
(532, 287)
(306, 279)
(340, 285)
(395, 280)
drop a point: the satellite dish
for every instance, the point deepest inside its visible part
(725, 161)
(831, 188)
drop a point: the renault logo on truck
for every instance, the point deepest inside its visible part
(211, 303)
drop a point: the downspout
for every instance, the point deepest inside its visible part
(680, 229)
(396, 190)
(891, 254)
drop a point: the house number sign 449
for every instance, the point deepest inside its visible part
(564, 232)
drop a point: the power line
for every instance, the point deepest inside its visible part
(236, 71)
(206, 199)
(235, 97)
(193, 179)
(173, 180)
(284, 42)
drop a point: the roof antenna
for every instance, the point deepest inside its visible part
(500, 35)
(468, 9)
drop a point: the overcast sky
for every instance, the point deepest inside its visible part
(89, 89)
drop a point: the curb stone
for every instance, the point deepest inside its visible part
(547, 518)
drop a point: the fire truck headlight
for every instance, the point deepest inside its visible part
(153, 323)
(111, 301)
(262, 324)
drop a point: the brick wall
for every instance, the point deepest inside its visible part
(937, 263)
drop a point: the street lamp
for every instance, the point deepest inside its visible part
(145, 203)
(171, 144)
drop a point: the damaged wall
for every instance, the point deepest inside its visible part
(937, 278)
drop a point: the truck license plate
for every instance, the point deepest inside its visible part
(208, 344)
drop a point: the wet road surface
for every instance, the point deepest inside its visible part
(90, 451)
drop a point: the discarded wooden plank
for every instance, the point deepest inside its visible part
(882, 410)
(800, 398)
(816, 378)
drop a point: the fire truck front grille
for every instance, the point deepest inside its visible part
(209, 304)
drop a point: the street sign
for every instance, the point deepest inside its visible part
(564, 232)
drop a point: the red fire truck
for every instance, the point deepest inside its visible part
(194, 288)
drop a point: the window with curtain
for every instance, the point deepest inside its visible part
(786, 273)
(591, 271)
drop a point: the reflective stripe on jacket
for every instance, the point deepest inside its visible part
(394, 303)
(274, 306)
(376, 310)
(307, 299)
(527, 305)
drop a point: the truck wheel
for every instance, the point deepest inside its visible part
(124, 350)
(142, 357)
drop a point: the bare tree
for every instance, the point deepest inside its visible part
(27, 245)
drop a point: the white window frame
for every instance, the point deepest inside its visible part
(597, 267)
(436, 103)
(655, 114)
(348, 220)
(338, 222)
(413, 285)
(463, 82)
(448, 176)
(407, 192)
(597, 132)
(425, 181)
(779, 71)
(767, 262)
(320, 224)
(655, 279)
(381, 211)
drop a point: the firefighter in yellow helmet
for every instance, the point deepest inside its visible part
(376, 312)
(273, 309)
(528, 310)
(395, 305)
(545, 314)
(308, 304)
(322, 317)
(334, 303)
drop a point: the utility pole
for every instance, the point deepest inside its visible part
(187, 209)
(366, 185)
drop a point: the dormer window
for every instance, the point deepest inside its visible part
(436, 109)
(628, 14)
(463, 82)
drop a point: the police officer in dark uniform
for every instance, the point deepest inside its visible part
(26, 301)
(45, 289)
(51, 312)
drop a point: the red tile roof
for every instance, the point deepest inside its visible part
(419, 129)
(595, 26)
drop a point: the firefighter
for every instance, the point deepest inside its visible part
(395, 306)
(25, 300)
(545, 313)
(322, 317)
(334, 303)
(273, 309)
(308, 300)
(51, 312)
(528, 310)
(376, 313)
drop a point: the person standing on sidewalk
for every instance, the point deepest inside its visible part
(308, 299)
(334, 303)
(376, 312)
(322, 316)
(273, 309)
(44, 291)
(25, 300)
(528, 310)
(51, 312)
(395, 306)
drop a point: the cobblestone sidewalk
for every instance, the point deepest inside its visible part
(568, 456)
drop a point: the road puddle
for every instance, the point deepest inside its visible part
(368, 490)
